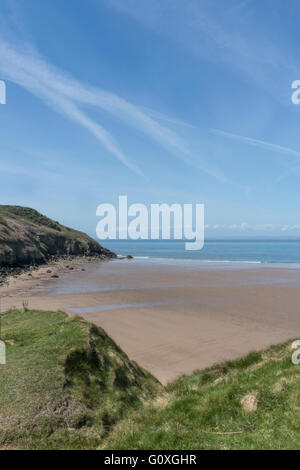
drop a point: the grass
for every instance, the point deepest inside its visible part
(205, 410)
(29, 215)
(3, 221)
(36, 219)
(65, 384)
(28, 238)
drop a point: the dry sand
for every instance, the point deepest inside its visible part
(172, 318)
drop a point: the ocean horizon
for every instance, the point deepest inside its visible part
(251, 251)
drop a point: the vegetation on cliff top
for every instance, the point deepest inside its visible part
(30, 238)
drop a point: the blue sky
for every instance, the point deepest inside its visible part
(160, 100)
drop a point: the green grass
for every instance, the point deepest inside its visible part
(28, 238)
(36, 219)
(65, 384)
(204, 410)
(29, 215)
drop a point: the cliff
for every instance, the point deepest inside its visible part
(30, 238)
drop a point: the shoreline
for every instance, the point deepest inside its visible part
(212, 262)
(171, 321)
(56, 263)
(283, 251)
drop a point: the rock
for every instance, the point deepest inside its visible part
(49, 271)
(82, 269)
(55, 276)
(129, 257)
(29, 238)
(249, 402)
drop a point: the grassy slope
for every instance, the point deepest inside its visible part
(28, 237)
(204, 411)
(28, 215)
(65, 382)
(67, 385)
(34, 218)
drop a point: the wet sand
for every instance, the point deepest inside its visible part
(171, 317)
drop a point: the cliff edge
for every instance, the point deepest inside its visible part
(30, 238)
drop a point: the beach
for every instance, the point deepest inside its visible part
(171, 316)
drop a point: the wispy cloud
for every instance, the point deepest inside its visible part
(164, 118)
(289, 228)
(243, 226)
(33, 74)
(293, 169)
(258, 143)
(221, 34)
(249, 228)
(64, 93)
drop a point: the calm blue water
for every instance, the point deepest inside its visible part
(254, 251)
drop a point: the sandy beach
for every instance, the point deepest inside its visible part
(171, 317)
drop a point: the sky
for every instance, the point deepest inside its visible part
(161, 100)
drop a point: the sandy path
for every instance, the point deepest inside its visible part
(172, 319)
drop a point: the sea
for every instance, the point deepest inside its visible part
(250, 251)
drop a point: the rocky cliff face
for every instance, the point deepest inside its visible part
(29, 238)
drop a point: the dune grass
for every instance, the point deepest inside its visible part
(252, 403)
